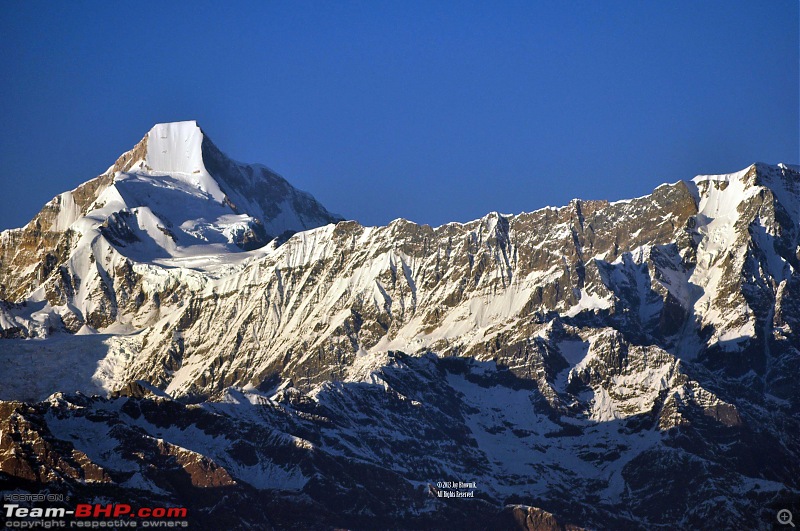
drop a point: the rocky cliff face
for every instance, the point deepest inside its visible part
(596, 365)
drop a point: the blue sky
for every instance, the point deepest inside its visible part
(432, 111)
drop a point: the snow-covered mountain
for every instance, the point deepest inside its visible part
(605, 365)
(172, 202)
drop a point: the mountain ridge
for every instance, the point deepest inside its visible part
(601, 364)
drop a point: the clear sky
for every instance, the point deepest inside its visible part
(433, 111)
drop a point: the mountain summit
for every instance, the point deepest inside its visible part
(185, 159)
(174, 199)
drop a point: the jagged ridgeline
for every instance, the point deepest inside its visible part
(603, 364)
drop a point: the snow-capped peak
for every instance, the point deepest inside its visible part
(720, 195)
(175, 147)
(725, 177)
(179, 156)
(174, 199)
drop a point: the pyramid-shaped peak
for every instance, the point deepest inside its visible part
(180, 155)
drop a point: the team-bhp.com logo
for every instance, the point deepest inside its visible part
(87, 510)
(86, 515)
